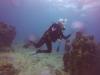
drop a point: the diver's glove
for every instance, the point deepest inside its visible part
(67, 37)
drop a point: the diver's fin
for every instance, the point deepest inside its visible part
(34, 53)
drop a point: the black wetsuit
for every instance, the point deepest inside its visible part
(51, 35)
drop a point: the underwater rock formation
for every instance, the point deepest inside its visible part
(7, 35)
(82, 56)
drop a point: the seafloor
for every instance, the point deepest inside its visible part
(28, 64)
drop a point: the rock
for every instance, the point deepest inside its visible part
(7, 35)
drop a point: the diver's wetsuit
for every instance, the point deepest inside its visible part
(51, 35)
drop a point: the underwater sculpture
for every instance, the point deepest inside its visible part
(77, 54)
(7, 35)
(54, 32)
(81, 55)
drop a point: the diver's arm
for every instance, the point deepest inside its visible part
(62, 36)
(67, 37)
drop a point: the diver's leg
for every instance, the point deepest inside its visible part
(39, 43)
(49, 48)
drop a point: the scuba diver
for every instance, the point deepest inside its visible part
(54, 33)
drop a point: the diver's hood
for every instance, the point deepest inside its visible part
(62, 22)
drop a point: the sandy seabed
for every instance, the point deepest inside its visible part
(28, 64)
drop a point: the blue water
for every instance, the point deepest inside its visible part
(35, 16)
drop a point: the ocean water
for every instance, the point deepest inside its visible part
(35, 16)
